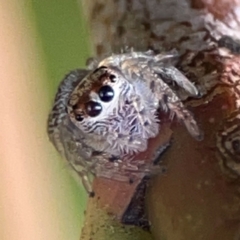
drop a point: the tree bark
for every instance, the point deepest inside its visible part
(199, 196)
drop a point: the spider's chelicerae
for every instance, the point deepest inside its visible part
(103, 116)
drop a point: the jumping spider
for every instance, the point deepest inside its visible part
(103, 116)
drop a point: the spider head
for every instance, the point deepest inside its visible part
(96, 99)
(109, 112)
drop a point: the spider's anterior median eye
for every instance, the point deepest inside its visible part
(93, 108)
(106, 93)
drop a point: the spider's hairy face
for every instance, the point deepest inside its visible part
(113, 113)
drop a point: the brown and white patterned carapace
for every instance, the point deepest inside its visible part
(102, 117)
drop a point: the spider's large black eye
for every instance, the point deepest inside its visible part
(106, 93)
(93, 108)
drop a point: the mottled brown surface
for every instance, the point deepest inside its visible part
(199, 197)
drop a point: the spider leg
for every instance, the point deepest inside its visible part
(84, 175)
(173, 74)
(186, 117)
(77, 164)
(80, 168)
(72, 150)
(169, 101)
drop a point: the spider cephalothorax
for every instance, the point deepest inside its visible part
(111, 112)
(112, 115)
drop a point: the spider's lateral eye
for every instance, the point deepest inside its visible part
(106, 93)
(236, 145)
(78, 117)
(112, 78)
(93, 108)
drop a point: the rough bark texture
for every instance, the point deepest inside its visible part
(199, 196)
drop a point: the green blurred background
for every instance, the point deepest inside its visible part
(63, 42)
(63, 36)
